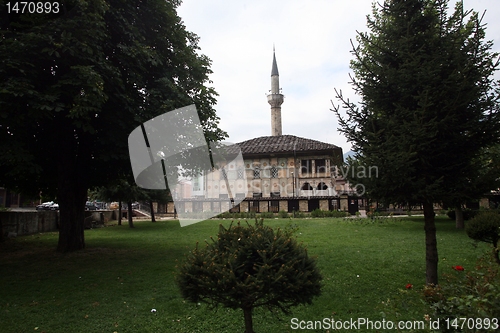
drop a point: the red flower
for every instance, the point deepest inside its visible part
(409, 286)
(458, 268)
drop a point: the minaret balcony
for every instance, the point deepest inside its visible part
(275, 100)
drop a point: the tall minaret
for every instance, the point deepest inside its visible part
(275, 99)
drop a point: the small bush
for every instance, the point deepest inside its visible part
(300, 215)
(338, 213)
(328, 213)
(485, 227)
(250, 266)
(267, 215)
(282, 214)
(317, 213)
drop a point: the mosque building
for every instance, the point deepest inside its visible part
(283, 173)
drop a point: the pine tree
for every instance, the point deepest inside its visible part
(248, 267)
(429, 105)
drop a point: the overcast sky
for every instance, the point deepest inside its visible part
(312, 40)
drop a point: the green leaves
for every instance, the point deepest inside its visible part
(250, 266)
(75, 84)
(427, 96)
(99, 68)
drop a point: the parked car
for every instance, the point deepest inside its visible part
(45, 205)
(90, 206)
(54, 206)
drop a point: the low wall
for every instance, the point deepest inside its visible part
(102, 215)
(30, 222)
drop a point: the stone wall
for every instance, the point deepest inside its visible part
(303, 205)
(323, 205)
(29, 222)
(263, 205)
(283, 205)
(102, 216)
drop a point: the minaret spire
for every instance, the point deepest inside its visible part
(275, 98)
(274, 70)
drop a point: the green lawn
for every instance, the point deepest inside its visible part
(123, 273)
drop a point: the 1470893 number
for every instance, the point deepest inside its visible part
(472, 323)
(22, 7)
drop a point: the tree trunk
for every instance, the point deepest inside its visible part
(459, 217)
(152, 211)
(71, 196)
(247, 312)
(119, 212)
(431, 253)
(129, 215)
(72, 161)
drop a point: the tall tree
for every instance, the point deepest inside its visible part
(74, 83)
(429, 105)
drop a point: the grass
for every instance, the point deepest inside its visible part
(123, 273)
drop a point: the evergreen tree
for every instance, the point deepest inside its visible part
(429, 105)
(249, 267)
(75, 83)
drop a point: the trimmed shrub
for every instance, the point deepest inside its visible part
(266, 215)
(282, 214)
(317, 213)
(248, 267)
(300, 215)
(485, 227)
(328, 213)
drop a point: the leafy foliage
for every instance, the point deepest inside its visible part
(328, 213)
(466, 294)
(485, 227)
(76, 83)
(250, 266)
(283, 214)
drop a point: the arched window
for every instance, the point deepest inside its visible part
(306, 187)
(322, 186)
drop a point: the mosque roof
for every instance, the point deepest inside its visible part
(283, 144)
